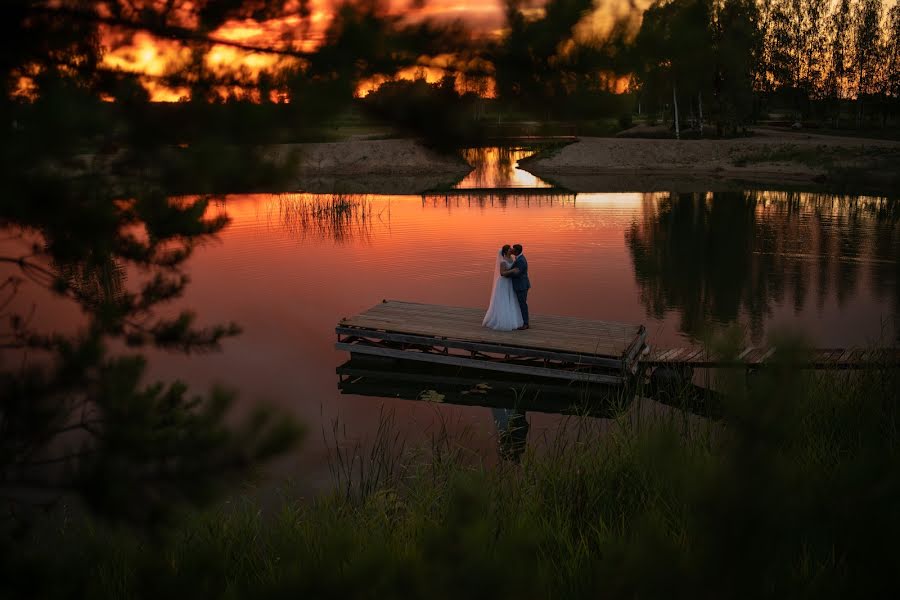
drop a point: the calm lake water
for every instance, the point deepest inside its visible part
(683, 264)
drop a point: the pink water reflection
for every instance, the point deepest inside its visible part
(826, 265)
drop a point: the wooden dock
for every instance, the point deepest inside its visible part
(757, 357)
(557, 347)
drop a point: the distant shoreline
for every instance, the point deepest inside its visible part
(783, 159)
(769, 160)
(390, 166)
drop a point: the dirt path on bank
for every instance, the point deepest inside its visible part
(768, 158)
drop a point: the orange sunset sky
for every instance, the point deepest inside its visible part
(142, 53)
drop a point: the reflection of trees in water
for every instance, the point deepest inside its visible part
(336, 216)
(487, 162)
(714, 257)
(493, 166)
(885, 272)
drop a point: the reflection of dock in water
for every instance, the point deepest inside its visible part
(367, 375)
(509, 397)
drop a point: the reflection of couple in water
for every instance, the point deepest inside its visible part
(512, 432)
(508, 309)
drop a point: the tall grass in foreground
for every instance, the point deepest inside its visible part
(793, 494)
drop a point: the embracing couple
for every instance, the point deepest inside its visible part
(509, 300)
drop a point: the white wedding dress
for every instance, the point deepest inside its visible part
(504, 313)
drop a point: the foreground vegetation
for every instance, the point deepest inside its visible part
(792, 494)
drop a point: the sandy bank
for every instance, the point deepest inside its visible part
(399, 166)
(783, 159)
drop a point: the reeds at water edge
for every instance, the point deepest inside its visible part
(339, 217)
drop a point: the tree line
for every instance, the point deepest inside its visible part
(732, 60)
(727, 63)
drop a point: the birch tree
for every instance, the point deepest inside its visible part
(892, 53)
(673, 48)
(836, 80)
(866, 38)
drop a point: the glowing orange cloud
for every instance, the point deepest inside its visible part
(145, 54)
(142, 53)
(153, 58)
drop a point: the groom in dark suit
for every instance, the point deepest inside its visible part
(520, 282)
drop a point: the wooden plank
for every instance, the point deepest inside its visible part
(842, 360)
(640, 340)
(767, 355)
(631, 355)
(701, 357)
(563, 334)
(519, 340)
(665, 357)
(598, 328)
(705, 359)
(823, 356)
(835, 355)
(694, 354)
(658, 354)
(691, 355)
(457, 328)
(480, 364)
(395, 308)
(832, 355)
(482, 347)
(752, 357)
(673, 358)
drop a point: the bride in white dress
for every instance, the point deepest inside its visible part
(504, 313)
